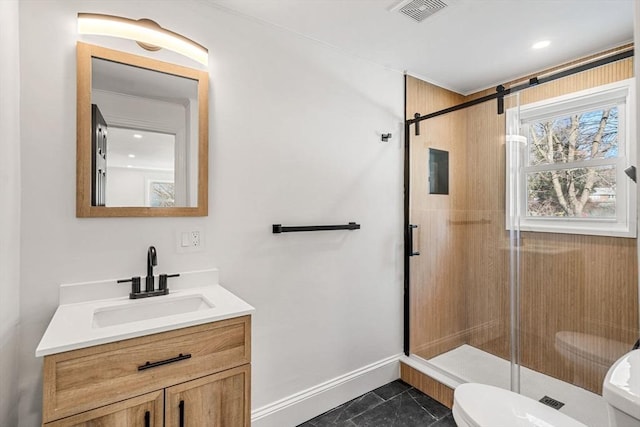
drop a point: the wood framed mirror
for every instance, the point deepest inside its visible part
(142, 136)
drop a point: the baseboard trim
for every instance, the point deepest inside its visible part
(306, 404)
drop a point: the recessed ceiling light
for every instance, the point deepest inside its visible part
(541, 44)
(132, 156)
(129, 166)
(137, 135)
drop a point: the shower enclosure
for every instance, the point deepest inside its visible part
(492, 299)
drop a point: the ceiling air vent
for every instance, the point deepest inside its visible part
(419, 10)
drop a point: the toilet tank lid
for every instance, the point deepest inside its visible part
(621, 386)
(598, 349)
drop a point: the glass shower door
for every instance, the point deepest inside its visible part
(578, 287)
(461, 283)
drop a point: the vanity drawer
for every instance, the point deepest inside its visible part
(81, 380)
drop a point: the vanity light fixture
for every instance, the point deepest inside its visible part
(146, 32)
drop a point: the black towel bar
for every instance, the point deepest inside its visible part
(279, 228)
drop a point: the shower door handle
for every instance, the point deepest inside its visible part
(411, 251)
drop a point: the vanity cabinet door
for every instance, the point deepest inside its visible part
(141, 411)
(219, 400)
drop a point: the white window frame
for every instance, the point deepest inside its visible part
(622, 94)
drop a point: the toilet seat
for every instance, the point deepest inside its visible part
(480, 405)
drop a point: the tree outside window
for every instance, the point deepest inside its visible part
(586, 191)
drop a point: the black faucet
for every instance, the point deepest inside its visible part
(149, 282)
(152, 260)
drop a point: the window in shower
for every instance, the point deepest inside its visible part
(571, 174)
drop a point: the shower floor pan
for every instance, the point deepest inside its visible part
(469, 364)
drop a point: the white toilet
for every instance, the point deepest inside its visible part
(621, 390)
(480, 405)
(590, 354)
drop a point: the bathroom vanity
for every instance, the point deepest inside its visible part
(121, 362)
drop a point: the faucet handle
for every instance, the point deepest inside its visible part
(163, 281)
(135, 284)
(149, 284)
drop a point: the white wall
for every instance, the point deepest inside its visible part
(130, 187)
(9, 212)
(294, 139)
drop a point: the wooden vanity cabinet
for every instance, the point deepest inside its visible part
(196, 376)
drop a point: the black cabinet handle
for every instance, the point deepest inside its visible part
(147, 419)
(411, 251)
(178, 358)
(181, 411)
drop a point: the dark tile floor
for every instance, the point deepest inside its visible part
(396, 404)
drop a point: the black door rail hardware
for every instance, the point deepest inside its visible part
(178, 358)
(501, 91)
(279, 228)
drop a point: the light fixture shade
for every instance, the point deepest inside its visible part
(141, 31)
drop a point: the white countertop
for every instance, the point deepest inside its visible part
(73, 326)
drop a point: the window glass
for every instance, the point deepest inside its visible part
(578, 192)
(573, 137)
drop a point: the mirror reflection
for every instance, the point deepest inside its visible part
(145, 132)
(141, 168)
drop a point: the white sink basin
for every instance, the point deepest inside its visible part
(152, 308)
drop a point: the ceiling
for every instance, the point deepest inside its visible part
(467, 46)
(139, 149)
